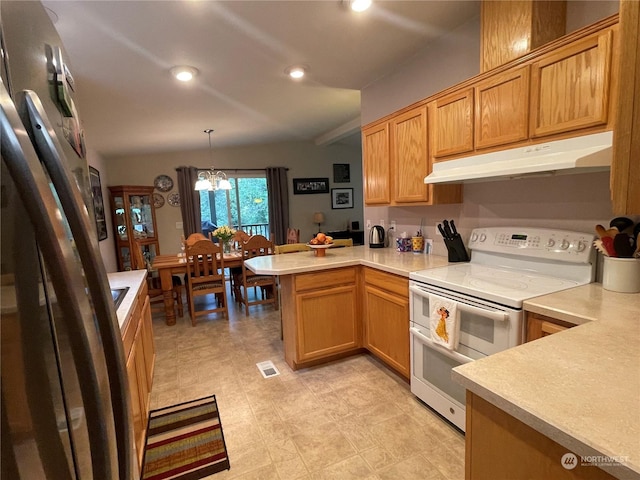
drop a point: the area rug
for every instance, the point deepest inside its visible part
(185, 442)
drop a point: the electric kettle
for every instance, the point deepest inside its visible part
(376, 237)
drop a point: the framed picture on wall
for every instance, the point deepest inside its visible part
(341, 173)
(98, 203)
(310, 185)
(341, 198)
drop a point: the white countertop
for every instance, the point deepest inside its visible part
(132, 279)
(580, 387)
(386, 259)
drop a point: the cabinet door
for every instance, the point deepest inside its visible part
(451, 123)
(409, 156)
(136, 405)
(539, 326)
(502, 109)
(570, 86)
(387, 328)
(327, 322)
(377, 172)
(146, 332)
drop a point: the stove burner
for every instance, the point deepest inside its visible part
(497, 282)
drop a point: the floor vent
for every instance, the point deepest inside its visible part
(267, 369)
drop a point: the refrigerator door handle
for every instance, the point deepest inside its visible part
(44, 137)
(68, 282)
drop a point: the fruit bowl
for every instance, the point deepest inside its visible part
(320, 250)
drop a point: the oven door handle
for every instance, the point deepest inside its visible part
(458, 357)
(495, 315)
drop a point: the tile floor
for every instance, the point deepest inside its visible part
(350, 419)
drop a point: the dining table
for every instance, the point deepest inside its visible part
(176, 264)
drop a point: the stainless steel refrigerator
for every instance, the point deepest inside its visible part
(65, 406)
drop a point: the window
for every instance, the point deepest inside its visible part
(244, 207)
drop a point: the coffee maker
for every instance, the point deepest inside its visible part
(377, 237)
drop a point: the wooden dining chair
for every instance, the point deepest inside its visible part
(291, 248)
(256, 246)
(156, 298)
(194, 237)
(205, 276)
(293, 235)
(343, 242)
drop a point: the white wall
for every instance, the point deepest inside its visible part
(303, 159)
(107, 246)
(575, 202)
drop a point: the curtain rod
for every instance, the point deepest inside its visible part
(239, 169)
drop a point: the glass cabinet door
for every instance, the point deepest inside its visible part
(141, 216)
(120, 221)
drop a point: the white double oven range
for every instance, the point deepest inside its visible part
(508, 266)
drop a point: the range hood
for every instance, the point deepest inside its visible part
(589, 153)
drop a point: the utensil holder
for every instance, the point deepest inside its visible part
(456, 249)
(621, 275)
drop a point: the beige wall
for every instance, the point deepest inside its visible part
(575, 202)
(303, 159)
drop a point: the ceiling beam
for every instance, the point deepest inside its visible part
(339, 133)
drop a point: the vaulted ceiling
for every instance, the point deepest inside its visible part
(120, 53)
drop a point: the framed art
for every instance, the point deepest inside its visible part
(98, 203)
(310, 185)
(341, 173)
(341, 198)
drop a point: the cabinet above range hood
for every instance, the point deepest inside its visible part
(589, 153)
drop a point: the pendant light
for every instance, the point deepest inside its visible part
(210, 179)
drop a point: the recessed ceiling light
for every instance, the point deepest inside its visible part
(360, 5)
(184, 73)
(296, 72)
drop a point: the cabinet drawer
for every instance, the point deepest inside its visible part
(539, 326)
(327, 278)
(387, 281)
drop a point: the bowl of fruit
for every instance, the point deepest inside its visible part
(320, 243)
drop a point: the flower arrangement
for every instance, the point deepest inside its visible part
(224, 233)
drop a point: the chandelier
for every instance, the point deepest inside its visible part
(210, 179)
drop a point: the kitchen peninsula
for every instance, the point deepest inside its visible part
(350, 300)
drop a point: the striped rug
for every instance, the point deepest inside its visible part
(185, 442)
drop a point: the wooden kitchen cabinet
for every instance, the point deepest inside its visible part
(377, 164)
(499, 445)
(409, 156)
(570, 86)
(451, 124)
(502, 108)
(539, 326)
(140, 354)
(386, 318)
(320, 316)
(134, 218)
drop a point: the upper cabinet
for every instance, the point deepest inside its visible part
(409, 156)
(451, 125)
(396, 159)
(512, 29)
(570, 86)
(377, 171)
(502, 108)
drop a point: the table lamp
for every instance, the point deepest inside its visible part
(318, 218)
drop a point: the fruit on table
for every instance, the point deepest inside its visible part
(321, 239)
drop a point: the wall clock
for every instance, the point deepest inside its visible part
(174, 199)
(163, 183)
(158, 200)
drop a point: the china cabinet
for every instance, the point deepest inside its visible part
(134, 218)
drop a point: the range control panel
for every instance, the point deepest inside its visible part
(561, 245)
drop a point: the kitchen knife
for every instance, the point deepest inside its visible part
(444, 235)
(447, 230)
(453, 227)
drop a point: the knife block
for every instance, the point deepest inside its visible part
(456, 249)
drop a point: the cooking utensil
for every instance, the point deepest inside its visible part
(603, 232)
(600, 247)
(622, 244)
(607, 243)
(442, 232)
(453, 228)
(621, 223)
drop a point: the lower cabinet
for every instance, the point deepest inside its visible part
(140, 352)
(320, 314)
(539, 326)
(386, 318)
(499, 445)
